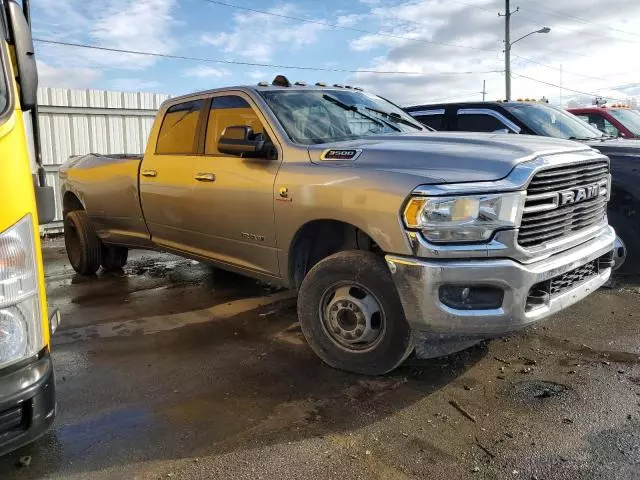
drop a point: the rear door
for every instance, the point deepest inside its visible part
(166, 174)
(483, 120)
(232, 202)
(431, 117)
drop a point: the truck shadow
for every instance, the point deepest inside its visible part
(220, 387)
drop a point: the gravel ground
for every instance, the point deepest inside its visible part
(174, 370)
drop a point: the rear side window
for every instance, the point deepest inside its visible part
(479, 122)
(178, 131)
(435, 121)
(227, 111)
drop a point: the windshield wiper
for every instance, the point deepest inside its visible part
(394, 116)
(602, 138)
(353, 108)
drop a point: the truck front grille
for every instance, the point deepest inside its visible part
(547, 218)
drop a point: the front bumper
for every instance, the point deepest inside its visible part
(418, 282)
(27, 402)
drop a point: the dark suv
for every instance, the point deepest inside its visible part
(537, 118)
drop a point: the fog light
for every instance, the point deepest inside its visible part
(13, 336)
(471, 297)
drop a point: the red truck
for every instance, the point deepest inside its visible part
(616, 120)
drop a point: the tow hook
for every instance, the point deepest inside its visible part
(619, 253)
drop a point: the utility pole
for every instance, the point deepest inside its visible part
(484, 89)
(507, 47)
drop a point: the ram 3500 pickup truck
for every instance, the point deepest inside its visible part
(394, 237)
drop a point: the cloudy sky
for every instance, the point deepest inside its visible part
(436, 50)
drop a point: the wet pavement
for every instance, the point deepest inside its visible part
(172, 369)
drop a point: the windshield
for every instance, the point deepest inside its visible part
(553, 122)
(629, 119)
(323, 116)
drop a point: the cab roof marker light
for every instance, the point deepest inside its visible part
(281, 81)
(301, 84)
(358, 89)
(321, 84)
(263, 84)
(338, 85)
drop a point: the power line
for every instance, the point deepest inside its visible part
(252, 64)
(603, 79)
(344, 27)
(556, 68)
(592, 34)
(591, 94)
(563, 15)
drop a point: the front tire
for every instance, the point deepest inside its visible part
(81, 242)
(351, 314)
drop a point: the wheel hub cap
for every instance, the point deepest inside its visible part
(352, 316)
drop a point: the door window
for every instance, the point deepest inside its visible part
(479, 122)
(226, 111)
(603, 125)
(433, 120)
(178, 131)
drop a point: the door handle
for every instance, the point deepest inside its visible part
(149, 173)
(205, 177)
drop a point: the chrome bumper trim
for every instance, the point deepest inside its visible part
(418, 282)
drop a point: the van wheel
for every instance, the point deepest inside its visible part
(114, 257)
(81, 242)
(351, 314)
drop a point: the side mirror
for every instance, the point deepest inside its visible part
(25, 57)
(240, 140)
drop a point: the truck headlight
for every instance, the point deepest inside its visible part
(20, 318)
(458, 219)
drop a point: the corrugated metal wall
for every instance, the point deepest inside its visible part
(76, 122)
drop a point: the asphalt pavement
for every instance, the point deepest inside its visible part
(171, 369)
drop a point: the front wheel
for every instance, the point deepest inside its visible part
(351, 314)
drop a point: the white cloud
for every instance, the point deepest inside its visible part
(276, 34)
(203, 71)
(258, 75)
(135, 85)
(70, 77)
(144, 25)
(349, 20)
(583, 49)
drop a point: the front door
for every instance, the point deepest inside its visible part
(233, 197)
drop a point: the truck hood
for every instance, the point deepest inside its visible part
(448, 157)
(616, 147)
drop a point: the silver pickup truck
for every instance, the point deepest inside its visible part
(395, 237)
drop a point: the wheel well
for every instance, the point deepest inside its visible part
(319, 239)
(70, 203)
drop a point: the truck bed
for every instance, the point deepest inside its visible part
(107, 187)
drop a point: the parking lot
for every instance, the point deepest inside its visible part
(172, 369)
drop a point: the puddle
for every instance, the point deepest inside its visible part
(532, 392)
